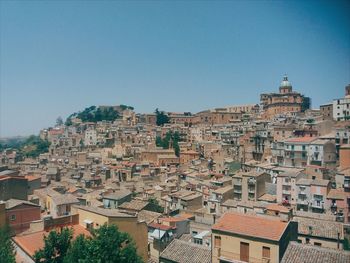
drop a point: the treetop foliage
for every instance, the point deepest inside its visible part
(94, 114)
(7, 250)
(105, 245)
(161, 117)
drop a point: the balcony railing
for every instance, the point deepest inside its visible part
(238, 191)
(316, 204)
(251, 181)
(286, 192)
(230, 256)
(251, 190)
(302, 202)
(287, 183)
(339, 218)
(237, 182)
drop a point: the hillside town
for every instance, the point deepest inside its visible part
(265, 182)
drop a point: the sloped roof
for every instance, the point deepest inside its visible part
(314, 254)
(11, 203)
(319, 228)
(186, 252)
(252, 226)
(35, 241)
(136, 205)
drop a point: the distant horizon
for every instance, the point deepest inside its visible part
(59, 57)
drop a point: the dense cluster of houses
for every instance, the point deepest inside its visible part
(252, 183)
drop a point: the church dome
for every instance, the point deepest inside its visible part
(285, 83)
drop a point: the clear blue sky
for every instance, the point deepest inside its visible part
(58, 57)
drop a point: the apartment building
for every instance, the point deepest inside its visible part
(339, 202)
(238, 237)
(341, 106)
(287, 193)
(217, 197)
(312, 194)
(249, 186)
(296, 151)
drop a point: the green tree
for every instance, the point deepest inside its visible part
(154, 205)
(55, 248)
(174, 138)
(59, 121)
(107, 244)
(34, 146)
(68, 121)
(7, 250)
(159, 142)
(78, 251)
(161, 117)
(306, 103)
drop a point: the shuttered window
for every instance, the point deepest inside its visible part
(217, 241)
(266, 252)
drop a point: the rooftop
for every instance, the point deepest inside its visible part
(319, 228)
(313, 254)
(11, 203)
(117, 195)
(305, 139)
(186, 252)
(35, 241)
(136, 205)
(106, 212)
(251, 226)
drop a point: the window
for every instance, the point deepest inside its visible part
(13, 217)
(266, 252)
(317, 244)
(307, 240)
(217, 241)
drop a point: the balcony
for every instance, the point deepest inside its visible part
(302, 192)
(251, 190)
(286, 192)
(287, 183)
(317, 204)
(237, 182)
(302, 202)
(237, 190)
(229, 256)
(251, 181)
(339, 218)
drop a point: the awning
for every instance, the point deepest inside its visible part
(202, 234)
(88, 221)
(158, 234)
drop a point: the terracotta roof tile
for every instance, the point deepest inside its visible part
(251, 226)
(35, 241)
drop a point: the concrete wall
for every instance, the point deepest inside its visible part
(324, 243)
(230, 248)
(14, 188)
